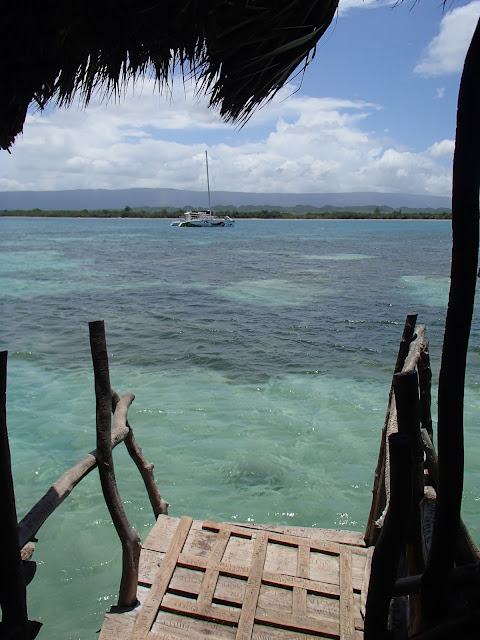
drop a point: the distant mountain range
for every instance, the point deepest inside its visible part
(79, 199)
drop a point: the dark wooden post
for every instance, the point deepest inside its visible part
(390, 542)
(408, 415)
(463, 282)
(407, 336)
(408, 418)
(128, 536)
(378, 491)
(425, 386)
(13, 593)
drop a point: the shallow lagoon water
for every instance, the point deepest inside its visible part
(260, 357)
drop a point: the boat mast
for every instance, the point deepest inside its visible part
(208, 183)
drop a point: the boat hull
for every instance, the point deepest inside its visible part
(206, 223)
(202, 219)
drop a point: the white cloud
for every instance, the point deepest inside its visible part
(445, 149)
(440, 93)
(445, 54)
(302, 144)
(346, 5)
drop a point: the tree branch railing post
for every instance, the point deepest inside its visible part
(159, 505)
(128, 536)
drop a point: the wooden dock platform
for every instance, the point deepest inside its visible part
(193, 580)
(228, 581)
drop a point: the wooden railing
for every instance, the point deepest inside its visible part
(402, 515)
(15, 538)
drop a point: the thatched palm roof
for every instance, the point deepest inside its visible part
(239, 51)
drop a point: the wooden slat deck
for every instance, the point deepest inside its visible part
(225, 581)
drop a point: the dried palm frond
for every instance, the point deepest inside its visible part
(240, 52)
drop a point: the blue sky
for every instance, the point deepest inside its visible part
(375, 112)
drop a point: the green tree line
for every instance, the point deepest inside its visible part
(129, 212)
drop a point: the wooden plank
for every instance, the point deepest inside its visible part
(161, 533)
(243, 532)
(264, 632)
(321, 588)
(322, 607)
(366, 581)
(358, 569)
(270, 577)
(230, 590)
(303, 562)
(172, 626)
(303, 624)
(260, 632)
(150, 562)
(282, 559)
(118, 626)
(186, 581)
(299, 601)
(340, 536)
(247, 617)
(277, 598)
(200, 543)
(148, 611)
(209, 582)
(239, 551)
(357, 615)
(347, 613)
(186, 606)
(324, 568)
(281, 538)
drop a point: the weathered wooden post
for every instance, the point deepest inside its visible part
(390, 542)
(378, 491)
(425, 388)
(128, 536)
(13, 593)
(408, 415)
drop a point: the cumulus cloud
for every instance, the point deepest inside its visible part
(445, 54)
(444, 149)
(346, 5)
(302, 144)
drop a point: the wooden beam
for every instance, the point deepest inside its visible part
(61, 489)
(461, 577)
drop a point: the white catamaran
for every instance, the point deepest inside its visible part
(203, 217)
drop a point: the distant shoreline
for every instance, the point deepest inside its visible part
(237, 216)
(366, 219)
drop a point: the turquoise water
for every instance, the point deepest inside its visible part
(260, 358)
